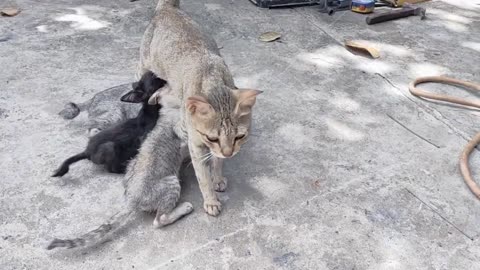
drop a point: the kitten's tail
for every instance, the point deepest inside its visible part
(65, 165)
(96, 236)
(71, 110)
(172, 3)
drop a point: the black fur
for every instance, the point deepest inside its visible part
(115, 146)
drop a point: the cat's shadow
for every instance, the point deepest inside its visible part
(238, 187)
(81, 172)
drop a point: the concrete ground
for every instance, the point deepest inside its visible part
(345, 169)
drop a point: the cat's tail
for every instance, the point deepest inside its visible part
(172, 3)
(65, 165)
(98, 235)
(71, 109)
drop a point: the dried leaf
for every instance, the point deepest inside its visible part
(269, 36)
(363, 48)
(9, 12)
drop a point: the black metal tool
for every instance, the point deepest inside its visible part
(283, 3)
(326, 6)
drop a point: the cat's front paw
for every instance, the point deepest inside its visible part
(220, 185)
(212, 207)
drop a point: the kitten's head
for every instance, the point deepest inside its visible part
(146, 87)
(222, 122)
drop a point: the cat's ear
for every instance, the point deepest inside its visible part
(155, 98)
(198, 105)
(133, 97)
(245, 100)
(156, 84)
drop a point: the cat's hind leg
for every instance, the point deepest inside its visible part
(114, 161)
(104, 119)
(163, 219)
(93, 131)
(166, 193)
(104, 153)
(94, 127)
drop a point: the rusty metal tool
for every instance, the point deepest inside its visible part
(397, 14)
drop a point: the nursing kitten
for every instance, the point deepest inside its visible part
(115, 146)
(151, 182)
(104, 109)
(215, 115)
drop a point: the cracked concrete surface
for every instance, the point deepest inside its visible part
(335, 175)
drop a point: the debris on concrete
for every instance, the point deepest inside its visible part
(363, 48)
(9, 12)
(269, 36)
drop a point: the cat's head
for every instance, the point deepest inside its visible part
(222, 122)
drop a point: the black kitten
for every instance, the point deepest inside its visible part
(115, 146)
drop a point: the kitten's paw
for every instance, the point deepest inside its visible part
(93, 131)
(212, 207)
(185, 208)
(181, 210)
(220, 186)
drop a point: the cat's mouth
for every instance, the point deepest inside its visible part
(220, 155)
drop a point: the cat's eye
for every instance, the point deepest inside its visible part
(210, 139)
(239, 137)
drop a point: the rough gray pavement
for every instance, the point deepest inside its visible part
(335, 176)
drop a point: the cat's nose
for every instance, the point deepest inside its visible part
(227, 152)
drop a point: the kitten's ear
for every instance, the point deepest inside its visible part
(156, 84)
(155, 98)
(198, 105)
(135, 86)
(133, 97)
(245, 100)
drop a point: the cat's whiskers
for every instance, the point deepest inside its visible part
(204, 160)
(201, 158)
(206, 157)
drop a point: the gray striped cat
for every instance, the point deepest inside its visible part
(104, 109)
(151, 182)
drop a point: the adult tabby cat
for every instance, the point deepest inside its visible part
(216, 115)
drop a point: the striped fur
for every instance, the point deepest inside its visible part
(94, 236)
(151, 183)
(176, 48)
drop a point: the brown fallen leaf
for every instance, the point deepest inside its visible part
(374, 53)
(10, 12)
(269, 36)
